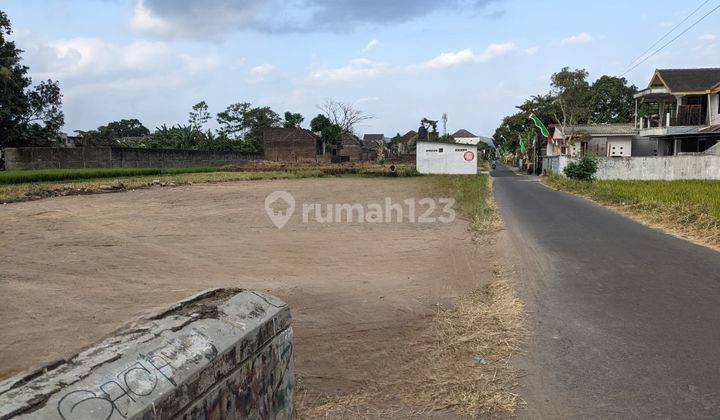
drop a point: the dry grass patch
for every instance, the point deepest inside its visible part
(468, 368)
(461, 365)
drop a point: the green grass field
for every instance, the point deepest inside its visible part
(703, 195)
(28, 185)
(50, 175)
(46, 175)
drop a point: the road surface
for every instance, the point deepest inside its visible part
(624, 320)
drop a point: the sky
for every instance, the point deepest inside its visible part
(398, 60)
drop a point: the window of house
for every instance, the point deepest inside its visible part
(440, 150)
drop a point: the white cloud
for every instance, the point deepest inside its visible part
(709, 37)
(357, 69)
(450, 59)
(84, 57)
(370, 45)
(262, 70)
(363, 68)
(90, 65)
(143, 20)
(582, 38)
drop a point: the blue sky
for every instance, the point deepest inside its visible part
(398, 60)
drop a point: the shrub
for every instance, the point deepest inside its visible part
(583, 170)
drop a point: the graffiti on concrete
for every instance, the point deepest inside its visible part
(121, 389)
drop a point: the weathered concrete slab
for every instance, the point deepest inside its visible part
(224, 353)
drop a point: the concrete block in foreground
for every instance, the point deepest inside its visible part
(221, 354)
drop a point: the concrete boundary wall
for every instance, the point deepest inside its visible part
(224, 353)
(697, 166)
(117, 157)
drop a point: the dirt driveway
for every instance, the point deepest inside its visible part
(75, 268)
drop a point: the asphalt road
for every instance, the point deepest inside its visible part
(624, 320)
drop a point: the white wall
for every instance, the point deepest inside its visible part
(468, 140)
(669, 168)
(714, 115)
(444, 158)
(619, 147)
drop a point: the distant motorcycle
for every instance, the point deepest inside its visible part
(493, 165)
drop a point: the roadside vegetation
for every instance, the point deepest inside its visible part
(468, 368)
(690, 208)
(473, 197)
(29, 185)
(462, 366)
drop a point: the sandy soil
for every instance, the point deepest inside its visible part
(362, 295)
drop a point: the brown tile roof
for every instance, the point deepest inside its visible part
(410, 135)
(373, 137)
(350, 139)
(370, 140)
(463, 134)
(283, 134)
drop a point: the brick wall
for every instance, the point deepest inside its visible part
(116, 157)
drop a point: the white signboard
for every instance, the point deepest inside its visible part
(444, 158)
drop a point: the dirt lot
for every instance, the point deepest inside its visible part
(362, 295)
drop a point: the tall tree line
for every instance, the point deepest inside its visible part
(29, 115)
(571, 101)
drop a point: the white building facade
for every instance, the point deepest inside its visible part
(446, 158)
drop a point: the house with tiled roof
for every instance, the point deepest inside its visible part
(290, 145)
(680, 110)
(407, 142)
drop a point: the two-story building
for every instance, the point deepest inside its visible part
(680, 110)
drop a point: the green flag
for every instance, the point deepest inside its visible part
(523, 146)
(539, 124)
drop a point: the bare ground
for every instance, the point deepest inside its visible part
(363, 296)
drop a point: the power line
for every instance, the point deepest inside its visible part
(668, 33)
(672, 40)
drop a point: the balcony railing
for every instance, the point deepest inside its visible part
(690, 115)
(687, 115)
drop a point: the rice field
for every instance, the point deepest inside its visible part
(702, 194)
(29, 185)
(46, 175)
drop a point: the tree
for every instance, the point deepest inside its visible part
(219, 142)
(231, 120)
(345, 116)
(381, 151)
(110, 134)
(293, 120)
(28, 116)
(102, 136)
(612, 100)
(199, 116)
(446, 138)
(185, 137)
(572, 96)
(128, 128)
(507, 136)
(244, 124)
(255, 121)
(330, 133)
